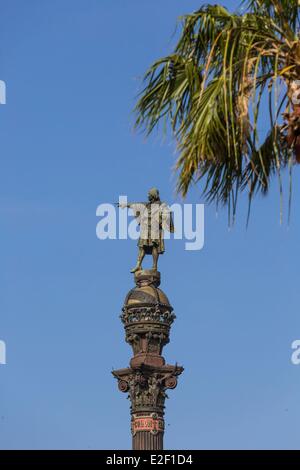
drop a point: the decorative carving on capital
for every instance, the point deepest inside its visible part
(171, 382)
(147, 389)
(123, 386)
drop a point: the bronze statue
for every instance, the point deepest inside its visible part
(153, 217)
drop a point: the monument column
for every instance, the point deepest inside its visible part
(147, 317)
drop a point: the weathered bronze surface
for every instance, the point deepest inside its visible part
(147, 317)
(154, 217)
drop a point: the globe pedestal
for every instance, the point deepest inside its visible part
(147, 317)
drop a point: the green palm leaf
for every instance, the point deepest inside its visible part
(211, 88)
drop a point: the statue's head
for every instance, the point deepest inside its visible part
(153, 195)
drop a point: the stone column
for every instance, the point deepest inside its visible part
(147, 317)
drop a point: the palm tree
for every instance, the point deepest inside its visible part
(230, 75)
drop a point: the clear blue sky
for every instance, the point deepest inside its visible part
(72, 69)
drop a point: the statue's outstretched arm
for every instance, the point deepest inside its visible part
(122, 205)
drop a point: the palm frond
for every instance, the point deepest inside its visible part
(210, 92)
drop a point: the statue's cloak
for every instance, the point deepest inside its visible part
(153, 219)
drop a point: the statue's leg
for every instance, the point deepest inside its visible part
(141, 256)
(155, 256)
